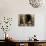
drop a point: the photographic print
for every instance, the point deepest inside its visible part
(26, 20)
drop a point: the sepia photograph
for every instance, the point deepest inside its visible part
(26, 20)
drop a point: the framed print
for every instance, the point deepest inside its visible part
(26, 20)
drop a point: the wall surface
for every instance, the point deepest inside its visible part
(12, 8)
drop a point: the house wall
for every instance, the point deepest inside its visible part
(12, 8)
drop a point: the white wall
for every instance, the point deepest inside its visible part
(13, 8)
